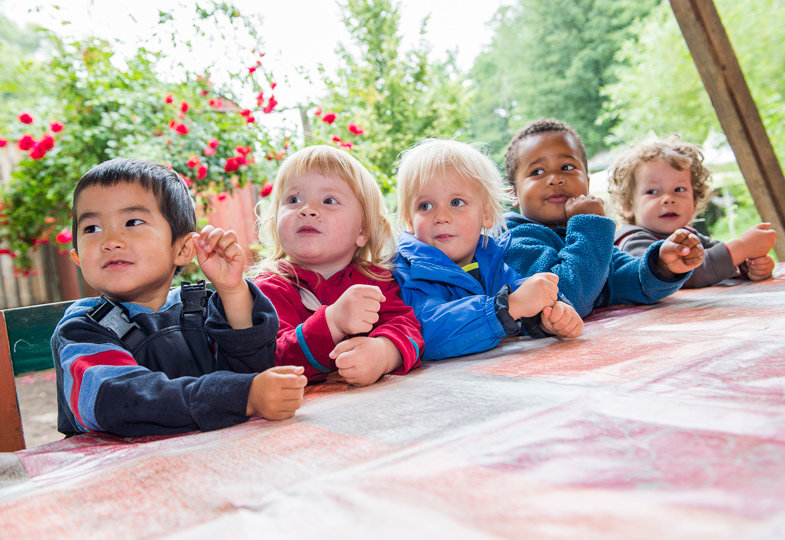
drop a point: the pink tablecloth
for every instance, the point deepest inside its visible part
(663, 421)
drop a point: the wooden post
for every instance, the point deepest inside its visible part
(723, 79)
(11, 435)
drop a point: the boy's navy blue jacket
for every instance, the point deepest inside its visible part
(592, 271)
(161, 386)
(457, 312)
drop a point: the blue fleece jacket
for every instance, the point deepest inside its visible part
(592, 271)
(457, 312)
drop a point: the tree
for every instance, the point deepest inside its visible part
(393, 97)
(85, 110)
(550, 59)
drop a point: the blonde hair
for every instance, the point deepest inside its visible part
(434, 157)
(678, 154)
(328, 161)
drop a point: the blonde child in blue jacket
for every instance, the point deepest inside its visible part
(449, 264)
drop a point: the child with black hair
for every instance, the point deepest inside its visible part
(144, 359)
(562, 229)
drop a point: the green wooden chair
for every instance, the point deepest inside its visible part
(24, 346)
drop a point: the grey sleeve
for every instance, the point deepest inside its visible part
(717, 265)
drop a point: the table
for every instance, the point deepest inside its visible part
(663, 421)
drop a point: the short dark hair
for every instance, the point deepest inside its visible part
(542, 125)
(169, 189)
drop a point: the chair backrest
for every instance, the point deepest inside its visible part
(24, 346)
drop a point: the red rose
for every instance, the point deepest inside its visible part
(169, 98)
(186, 180)
(347, 145)
(231, 165)
(243, 150)
(56, 127)
(64, 237)
(25, 118)
(221, 196)
(203, 93)
(267, 188)
(26, 142)
(245, 112)
(328, 118)
(182, 129)
(336, 139)
(273, 85)
(184, 107)
(47, 142)
(172, 124)
(250, 120)
(5, 251)
(260, 99)
(355, 129)
(213, 143)
(270, 105)
(251, 69)
(209, 151)
(38, 151)
(193, 162)
(3, 142)
(201, 172)
(318, 111)
(241, 160)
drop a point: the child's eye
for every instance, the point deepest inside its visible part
(91, 229)
(537, 172)
(457, 202)
(133, 222)
(568, 167)
(292, 199)
(650, 192)
(680, 189)
(423, 206)
(329, 200)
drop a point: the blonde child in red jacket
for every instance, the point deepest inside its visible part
(328, 277)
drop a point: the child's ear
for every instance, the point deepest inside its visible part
(362, 238)
(75, 257)
(629, 215)
(184, 249)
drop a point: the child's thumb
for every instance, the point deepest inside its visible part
(285, 370)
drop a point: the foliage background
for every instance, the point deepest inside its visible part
(618, 70)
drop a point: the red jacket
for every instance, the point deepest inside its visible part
(303, 336)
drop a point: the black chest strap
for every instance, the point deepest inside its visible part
(114, 316)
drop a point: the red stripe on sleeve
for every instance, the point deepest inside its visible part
(80, 365)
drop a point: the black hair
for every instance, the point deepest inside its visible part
(542, 125)
(169, 189)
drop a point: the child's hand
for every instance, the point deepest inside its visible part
(760, 268)
(756, 242)
(277, 392)
(221, 258)
(537, 292)
(680, 253)
(363, 360)
(355, 312)
(561, 320)
(584, 204)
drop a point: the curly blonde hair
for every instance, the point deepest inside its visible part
(328, 161)
(433, 157)
(678, 154)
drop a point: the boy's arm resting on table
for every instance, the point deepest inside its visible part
(301, 341)
(247, 349)
(398, 323)
(581, 263)
(717, 264)
(106, 390)
(636, 280)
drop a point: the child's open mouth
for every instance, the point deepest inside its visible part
(669, 215)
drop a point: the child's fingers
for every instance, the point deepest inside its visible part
(343, 347)
(553, 278)
(297, 370)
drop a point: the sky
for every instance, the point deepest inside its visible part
(296, 32)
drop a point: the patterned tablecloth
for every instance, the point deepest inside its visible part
(663, 421)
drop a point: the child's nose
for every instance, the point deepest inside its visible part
(442, 216)
(308, 210)
(555, 180)
(112, 240)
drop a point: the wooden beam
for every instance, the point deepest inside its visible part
(11, 435)
(723, 79)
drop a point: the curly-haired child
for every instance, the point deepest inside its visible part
(658, 187)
